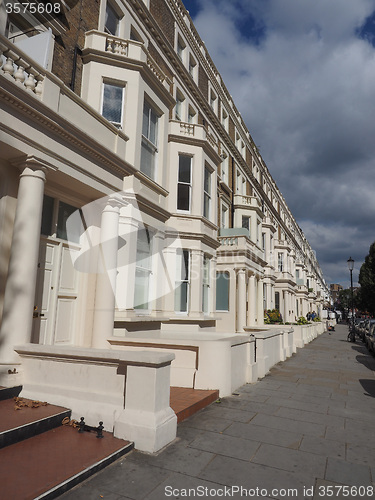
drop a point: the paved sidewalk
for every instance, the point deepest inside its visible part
(309, 423)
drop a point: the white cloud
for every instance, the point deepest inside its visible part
(306, 92)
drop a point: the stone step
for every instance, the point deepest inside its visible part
(185, 401)
(9, 392)
(22, 419)
(47, 465)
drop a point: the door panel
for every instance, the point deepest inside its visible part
(56, 294)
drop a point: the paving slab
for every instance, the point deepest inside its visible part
(224, 444)
(305, 426)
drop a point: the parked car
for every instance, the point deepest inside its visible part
(366, 329)
(360, 330)
(370, 338)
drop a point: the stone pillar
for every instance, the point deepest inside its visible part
(20, 287)
(241, 300)
(260, 309)
(252, 300)
(127, 256)
(105, 302)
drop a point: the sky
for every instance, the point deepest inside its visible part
(302, 74)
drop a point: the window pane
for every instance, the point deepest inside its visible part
(207, 181)
(65, 211)
(277, 301)
(141, 289)
(153, 127)
(145, 123)
(111, 20)
(206, 206)
(222, 291)
(181, 297)
(143, 269)
(183, 197)
(182, 281)
(47, 214)
(147, 159)
(184, 170)
(245, 222)
(112, 103)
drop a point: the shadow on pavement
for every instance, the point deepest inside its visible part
(368, 386)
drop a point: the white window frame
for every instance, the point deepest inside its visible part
(207, 195)
(192, 67)
(224, 219)
(118, 85)
(225, 167)
(179, 281)
(146, 142)
(147, 271)
(206, 284)
(184, 183)
(224, 118)
(180, 48)
(179, 108)
(118, 18)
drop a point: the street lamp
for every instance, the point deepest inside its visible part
(351, 267)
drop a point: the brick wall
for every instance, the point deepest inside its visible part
(84, 16)
(163, 16)
(203, 82)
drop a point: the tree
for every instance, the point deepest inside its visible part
(367, 281)
(344, 300)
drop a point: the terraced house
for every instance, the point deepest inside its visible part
(141, 231)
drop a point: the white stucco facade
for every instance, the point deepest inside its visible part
(137, 218)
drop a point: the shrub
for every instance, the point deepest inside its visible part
(273, 316)
(302, 321)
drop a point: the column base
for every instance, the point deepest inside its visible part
(149, 431)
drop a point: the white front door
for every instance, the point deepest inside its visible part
(56, 294)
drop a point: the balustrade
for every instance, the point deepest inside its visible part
(19, 68)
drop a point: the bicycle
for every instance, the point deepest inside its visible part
(351, 334)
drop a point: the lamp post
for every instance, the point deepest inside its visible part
(351, 267)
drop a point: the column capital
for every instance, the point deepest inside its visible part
(34, 164)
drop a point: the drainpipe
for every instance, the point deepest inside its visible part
(77, 51)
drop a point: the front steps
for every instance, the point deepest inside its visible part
(41, 459)
(185, 402)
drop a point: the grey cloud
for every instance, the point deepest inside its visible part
(307, 95)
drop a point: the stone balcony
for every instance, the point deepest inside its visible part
(249, 202)
(192, 133)
(32, 84)
(110, 49)
(237, 247)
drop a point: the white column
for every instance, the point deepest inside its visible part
(260, 310)
(241, 300)
(127, 255)
(252, 300)
(20, 287)
(105, 303)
